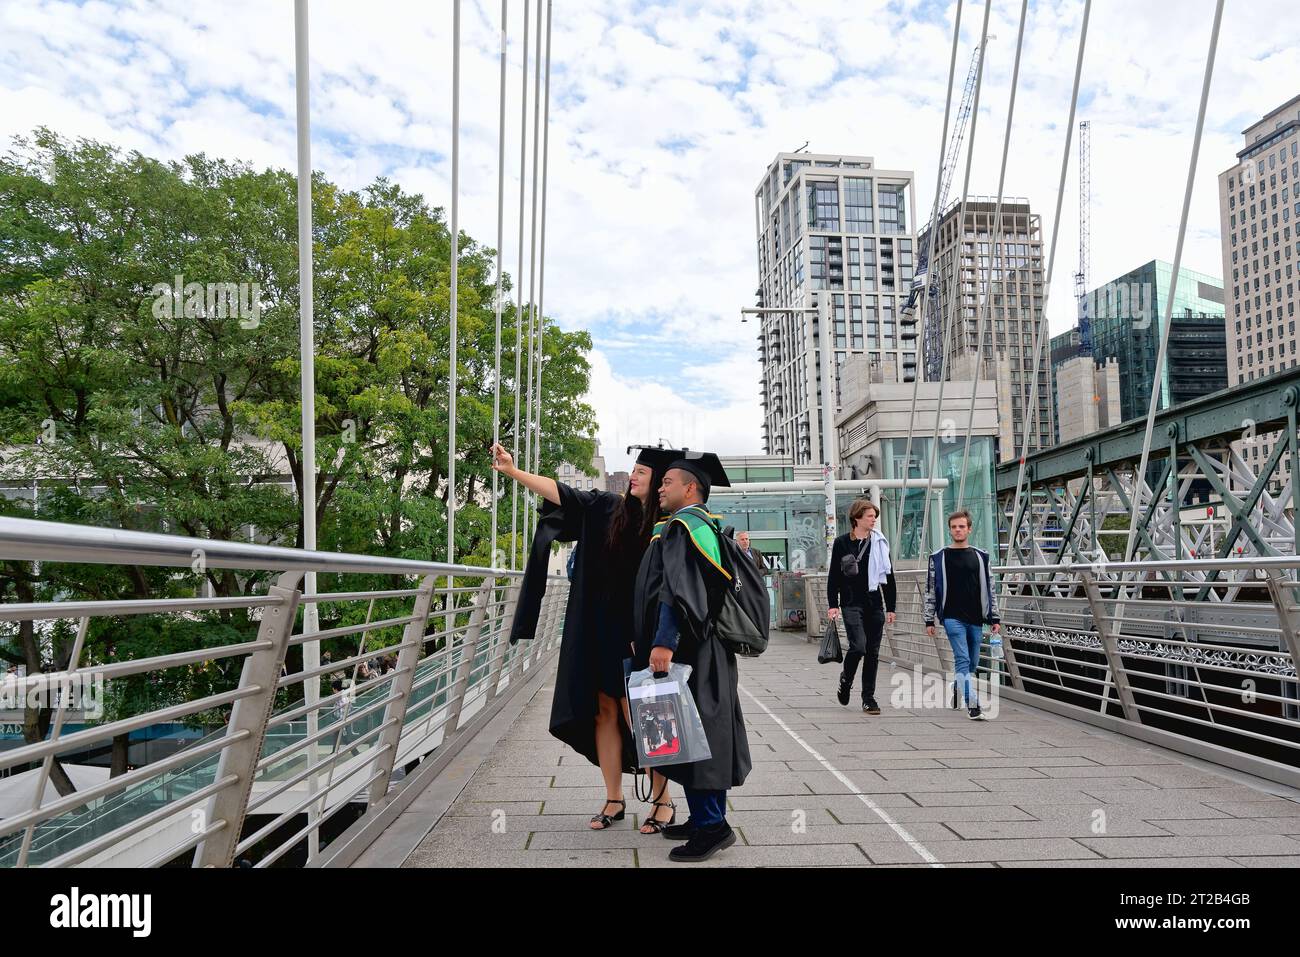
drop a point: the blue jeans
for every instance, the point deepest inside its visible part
(965, 639)
(708, 808)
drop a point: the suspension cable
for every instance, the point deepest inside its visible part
(501, 195)
(541, 265)
(1047, 286)
(1140, 476)
(529, 497)
(953, 305)
(519, 291)
(925, 291)
(987, 318)
(455, 291)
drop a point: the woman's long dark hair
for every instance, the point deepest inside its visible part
(631, 525)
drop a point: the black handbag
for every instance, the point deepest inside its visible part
(849, 563)
(831, 650)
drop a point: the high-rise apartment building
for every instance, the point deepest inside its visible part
(1015, 285)
(840, 227)
(1259, 216)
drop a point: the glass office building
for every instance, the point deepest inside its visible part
(1128, 317)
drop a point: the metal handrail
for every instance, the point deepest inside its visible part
(331, 751)
(1164, 669)
(28, 539)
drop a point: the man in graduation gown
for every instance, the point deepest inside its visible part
(679, 591)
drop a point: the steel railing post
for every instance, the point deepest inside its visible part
(511, 599)
(399, 692)
(1288, 621)
(249, 715)
(1110, 647)
(468, 651)
(543, 626)
(1009, 653)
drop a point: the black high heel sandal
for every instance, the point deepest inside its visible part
(657, 826)
(605, 820)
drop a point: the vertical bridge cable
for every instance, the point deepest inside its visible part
(987, 318)
(953, 304)
(519, 290)
(1140, 475)
(925, 290)
(529, 498)
(455, 292)
(1047, 289)
(306, 358)
(501, 195)
(541, 264)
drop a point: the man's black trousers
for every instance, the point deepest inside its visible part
(866, 626)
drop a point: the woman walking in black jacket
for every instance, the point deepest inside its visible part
(860, 582)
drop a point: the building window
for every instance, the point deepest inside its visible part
(824, 206)
(857, 205)
(893, 208)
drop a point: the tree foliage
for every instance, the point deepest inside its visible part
(131, 407)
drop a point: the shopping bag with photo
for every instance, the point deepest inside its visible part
(665, 722)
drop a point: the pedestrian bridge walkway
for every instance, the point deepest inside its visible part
(1145, 713)
(834, 787)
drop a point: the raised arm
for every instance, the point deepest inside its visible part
(543, 486)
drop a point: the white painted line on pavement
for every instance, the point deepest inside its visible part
(898, 829)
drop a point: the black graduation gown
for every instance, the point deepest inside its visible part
(597, 621)
(673, 571)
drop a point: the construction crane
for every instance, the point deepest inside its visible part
(1085, 241)
(907, 316)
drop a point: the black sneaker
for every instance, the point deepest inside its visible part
(843, 693)
(870, 707)
(704, 843)
(975, 715)
(679, 832)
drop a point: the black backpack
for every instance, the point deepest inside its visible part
(743, 620)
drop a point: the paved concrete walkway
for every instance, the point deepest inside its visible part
(913, 787)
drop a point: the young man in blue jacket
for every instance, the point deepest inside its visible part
(959, 594)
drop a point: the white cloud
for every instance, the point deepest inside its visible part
(664, 116)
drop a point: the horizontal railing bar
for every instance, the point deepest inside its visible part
(1217, 707)
(304, 709)
(79, 798)
(79, 854)
(344, 630)
(184, 846)
(27, 539)
(1209, 724)
(1056, 671)
(1195, 625)
(321, 767)
(1059, 687)
(289, 844)
(314, 796)
(325, 598)
(49, 610)
(99, 732)
(336, 667)
(278, 757)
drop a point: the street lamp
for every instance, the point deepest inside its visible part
(819, 306)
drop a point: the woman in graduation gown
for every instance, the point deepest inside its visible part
(611, 532)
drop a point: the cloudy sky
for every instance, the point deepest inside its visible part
(664, 116)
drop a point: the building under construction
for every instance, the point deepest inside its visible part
(1012, 314)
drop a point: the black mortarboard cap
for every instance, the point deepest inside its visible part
(655, 457)
(705, 466)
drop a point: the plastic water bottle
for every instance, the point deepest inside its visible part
(995, 646)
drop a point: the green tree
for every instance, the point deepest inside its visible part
(132, 407)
